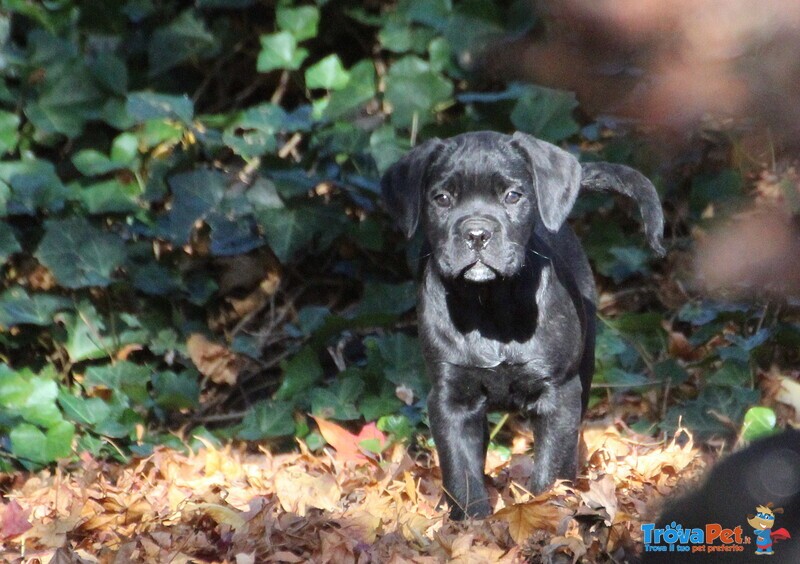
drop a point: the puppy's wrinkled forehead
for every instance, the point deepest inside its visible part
(480, 163)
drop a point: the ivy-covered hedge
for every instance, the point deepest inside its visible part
(191, 233)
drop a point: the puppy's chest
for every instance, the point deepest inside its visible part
(480, 351)
(553, 345)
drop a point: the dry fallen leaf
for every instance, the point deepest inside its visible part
(14, 520)
(213, 360)
(220, 513)
(571, 544)
(299, 507)
(524, 518)
(298, 490)
(789, 393)
(602, 495)
(347, 444)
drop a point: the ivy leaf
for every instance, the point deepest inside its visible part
(79, 254)
(228, 4)
(300, 373)
(8, 242)
(386, 299)
(401, 361)
(30, 443)
(398, 37)
(183, 39)
(301, 21)
(17, 307)
(231, 237)
(545, 113)
(338, 401)
(732, 373)
(386, 147)
(110, 71)
(69, 99)
(110, 196)
(9, 134)
(267, 117)
(91, 162)
(156, 279)
(359, 89)
(144, 106)
(266, 420)
(329, 73)
(176, 391)
(84, 411)
(123, 377)
(414, 89)
(86, 335)
(700, 415)
(194, 194)
(717, 188)
(33, 184)
(280, 51)
(758, 422)
(288, 230)
(384, 405)
(433, 13)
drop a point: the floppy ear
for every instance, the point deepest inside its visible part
(556, 178)
(403, 183)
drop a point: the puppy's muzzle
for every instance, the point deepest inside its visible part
(477, 232)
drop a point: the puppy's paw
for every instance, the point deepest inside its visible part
(539, 482)
(478, 509)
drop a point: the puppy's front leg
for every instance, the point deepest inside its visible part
(556, 428)
(460, 431)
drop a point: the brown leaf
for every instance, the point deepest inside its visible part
(680, 347)
(221, 514)
(336, 547)
(570, 544)
(346, 443)
(789, 393)
(14, 520)
(525, 518)
(602, 494)
(213, 360)
(297, 490)
(66, 555)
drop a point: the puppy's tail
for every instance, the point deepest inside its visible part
(607, 177)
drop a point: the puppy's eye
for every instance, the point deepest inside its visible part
(512, 198)
(443, 200)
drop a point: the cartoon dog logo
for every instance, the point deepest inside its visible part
(762, 524)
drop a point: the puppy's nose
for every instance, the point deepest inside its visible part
(477, 237)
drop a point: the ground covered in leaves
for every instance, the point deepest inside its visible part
(228, 505)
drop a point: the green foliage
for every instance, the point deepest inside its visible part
(162, 160)
(758, 422)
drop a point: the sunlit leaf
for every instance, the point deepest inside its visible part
(280, 51)
(300, 21)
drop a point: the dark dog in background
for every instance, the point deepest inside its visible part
(507, 298)
(766, 472)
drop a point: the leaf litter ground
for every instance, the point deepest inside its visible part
(344, 505)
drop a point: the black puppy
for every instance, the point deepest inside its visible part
(506, 304)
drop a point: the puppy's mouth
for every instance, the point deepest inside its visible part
(478, 271)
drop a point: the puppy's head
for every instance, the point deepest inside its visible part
(478, 197)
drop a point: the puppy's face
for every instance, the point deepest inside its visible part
(479, 197)
(478, 212)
